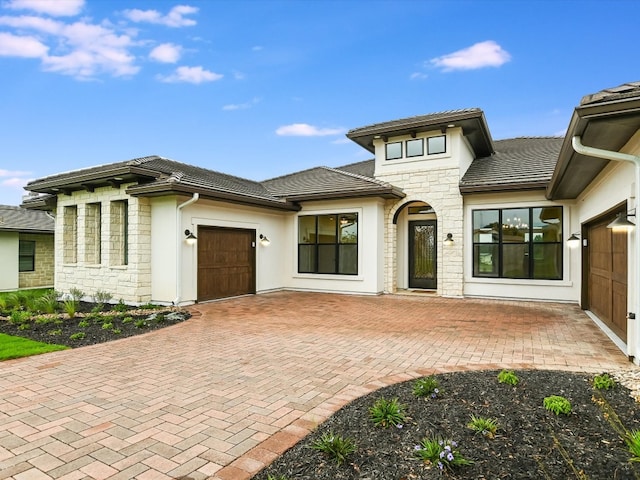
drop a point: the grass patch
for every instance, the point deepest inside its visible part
(18, 347)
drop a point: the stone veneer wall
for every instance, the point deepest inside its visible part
(130, 282)
(43, 275)
(439, 188)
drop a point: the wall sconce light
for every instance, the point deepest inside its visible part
(574, 240)
(622, 223)
(449, 240)
(344, 221)
(191, 238)
(264, 241)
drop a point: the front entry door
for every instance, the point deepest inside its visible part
(422, 254)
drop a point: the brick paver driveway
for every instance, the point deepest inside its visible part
(220, 395)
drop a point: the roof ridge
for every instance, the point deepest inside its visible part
(361, 177)
(142, 160)
(289, 174)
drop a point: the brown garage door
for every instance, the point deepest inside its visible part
(607, 276)
(226, 262)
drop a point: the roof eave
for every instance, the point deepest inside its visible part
(174, 188)
(387, 193)
(502, 187)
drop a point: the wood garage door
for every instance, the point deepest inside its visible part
(607, 276)
(226, 262)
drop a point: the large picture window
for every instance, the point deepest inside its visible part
(328, 244)
(518, 243)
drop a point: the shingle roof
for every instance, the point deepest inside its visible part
(22, 220)
(415, 121)
(325, 182)
(365, 168)
(626, 90)
(518, 163)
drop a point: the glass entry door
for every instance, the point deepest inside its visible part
(422, 254)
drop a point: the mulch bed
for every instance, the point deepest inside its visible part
(58, 328)
(530, 443)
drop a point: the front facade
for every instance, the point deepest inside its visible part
(26, 249)
(441, 207)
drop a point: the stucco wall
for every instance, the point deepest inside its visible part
(43, 274)
(130, 282)
(8, 260)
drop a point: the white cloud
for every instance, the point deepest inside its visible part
(14, 182)
(13, 173)
(175, 18)
(44, 25)
(306, 130)
(241, 106)
(191, 75)
(341, 141)
(166, 53)
(479, 55)
(56, 8)
(418, 76)
(17, 46)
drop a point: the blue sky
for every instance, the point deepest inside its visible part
(261, 88)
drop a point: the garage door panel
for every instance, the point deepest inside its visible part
(226, 262)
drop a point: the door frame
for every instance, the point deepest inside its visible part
(411, 247)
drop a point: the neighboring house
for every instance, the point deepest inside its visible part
(26, 248)
(441, 207)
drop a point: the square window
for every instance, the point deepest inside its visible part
(436, 145)
(415, 148)
(394, 150)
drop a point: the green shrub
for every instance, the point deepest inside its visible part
(335, 446)
(120, 306)
(603, 382)
(509, 377)
(557, 405)
(141, 324)
(633, 443)
(48, 303)
(18, 317)
(70, 307)
(24, 326)
(53, 333)
(126, 320)
(83, 324)
(486, 426)
(441, 453)
(426, 387)
(279, 477)
(385, 413)
(76, 294)
(107, 325)
(43, 320)
(77, 336)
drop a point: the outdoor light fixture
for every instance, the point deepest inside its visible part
(344, 221)
(191, 238)
(622, 223)
(449, 240)
(574, 240)
(264, 241)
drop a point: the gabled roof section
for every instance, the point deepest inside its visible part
(606, 120)
(525, 163)
(471, 120)
(18, 219)
(154, 176)
(324, 183)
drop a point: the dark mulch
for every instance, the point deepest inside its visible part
(531, 442)
(59, 328)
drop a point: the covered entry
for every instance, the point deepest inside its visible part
(606, 275)
(226, 262)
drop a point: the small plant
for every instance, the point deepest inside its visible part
(83, 324)
(77, 336)
(55, 332)
(120, 306)
(160, 318)
(557, 405)
(70, 307)
(76, 294)
(24, 326)
(278, 477)
(336, 446)
(42, 321)
(141, 324)
(126, 320)
(18, 317)
(509, 377)
(486, 426)
(603, 382)
(426, 387)
(632, 440)
(385, 413)
(116, 331)
(107, 326)
(442, 453)
(48, 303)
(100, 298)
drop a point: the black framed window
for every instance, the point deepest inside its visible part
(26, 256)
(328, 244)
(415, 148)
(436, 145)
(393, 150)
(518, 243)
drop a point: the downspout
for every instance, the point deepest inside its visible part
(632, 329)
(193, 199)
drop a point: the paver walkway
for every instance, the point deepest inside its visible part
(222, 394)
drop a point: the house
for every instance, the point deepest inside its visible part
(26, 248)
(441, 207)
